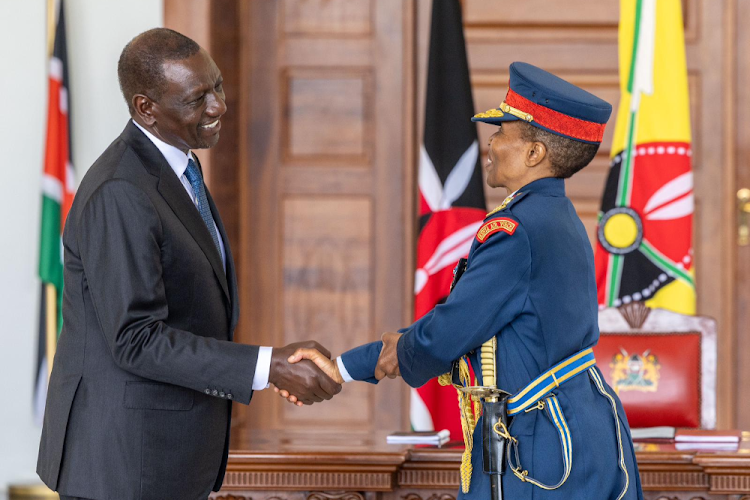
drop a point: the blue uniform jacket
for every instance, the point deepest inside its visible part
(535, 290)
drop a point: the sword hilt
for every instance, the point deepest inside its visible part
(488, 359)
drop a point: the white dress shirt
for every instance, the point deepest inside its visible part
(179, 163)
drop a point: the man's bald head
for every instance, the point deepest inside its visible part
(140, 69)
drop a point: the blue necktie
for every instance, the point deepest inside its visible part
(196, 181)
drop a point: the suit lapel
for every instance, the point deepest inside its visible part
(174, 194)
(231, 273)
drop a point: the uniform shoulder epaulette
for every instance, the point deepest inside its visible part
(507, 203)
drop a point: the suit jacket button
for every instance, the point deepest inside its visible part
(229, 396)
(221, 394)
(214, 392)
(207, 391)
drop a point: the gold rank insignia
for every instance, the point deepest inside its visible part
(502, 206)
(500, 224)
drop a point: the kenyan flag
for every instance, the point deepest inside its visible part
(58, 189)
(644, 250)
(451, 195)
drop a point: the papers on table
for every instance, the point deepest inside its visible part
(645, 433)
(700, 439)
(692, 445)
(423, 437)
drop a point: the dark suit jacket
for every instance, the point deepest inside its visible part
(141, 392)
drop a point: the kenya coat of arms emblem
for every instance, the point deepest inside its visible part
(636, 372)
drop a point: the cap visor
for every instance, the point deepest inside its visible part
(507, 117)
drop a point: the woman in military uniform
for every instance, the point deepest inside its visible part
(529, 290)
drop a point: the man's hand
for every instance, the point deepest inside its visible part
(327, 365)
(304, 379)
(388, 361)
(322, 361)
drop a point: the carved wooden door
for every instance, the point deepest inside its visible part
(325, 191)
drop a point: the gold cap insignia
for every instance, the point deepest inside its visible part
(490, 113)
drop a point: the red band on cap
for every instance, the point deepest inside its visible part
(554, 120)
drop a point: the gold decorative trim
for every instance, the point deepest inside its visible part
(516, 112)
(490, 113)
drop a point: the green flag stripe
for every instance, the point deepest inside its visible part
(623, 189)
(615, 278)
(664, 263)
(631, 76)
(50, 260)
(626, 172)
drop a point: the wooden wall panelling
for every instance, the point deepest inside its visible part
(327, 290)
(340, 99)
(713, 175)
(326, 140)
(327, 17)
(739, 63)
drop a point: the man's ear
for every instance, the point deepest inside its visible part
(536, 153)
(144, 108)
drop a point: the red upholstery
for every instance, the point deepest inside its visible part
(656, 375)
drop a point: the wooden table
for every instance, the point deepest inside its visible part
(360, 466)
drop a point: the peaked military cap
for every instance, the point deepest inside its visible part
(550, 103)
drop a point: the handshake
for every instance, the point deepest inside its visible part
(304, 372)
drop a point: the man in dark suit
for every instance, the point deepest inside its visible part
(141, 392)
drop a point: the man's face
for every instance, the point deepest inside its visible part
(505, 157)
(187, 115)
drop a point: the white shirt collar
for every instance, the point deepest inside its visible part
(176, 158)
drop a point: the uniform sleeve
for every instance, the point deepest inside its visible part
(489, 295)
(119, 241)
(360, 362)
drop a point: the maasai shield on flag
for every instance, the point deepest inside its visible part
(58, 188)
(452, 204)
(644, 251)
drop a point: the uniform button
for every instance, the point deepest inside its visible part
(208, 391)
(214, 392)
(229, 396)
(221, 394)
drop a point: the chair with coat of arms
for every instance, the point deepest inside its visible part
(661, 364)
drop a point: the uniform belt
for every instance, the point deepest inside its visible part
(552, 378)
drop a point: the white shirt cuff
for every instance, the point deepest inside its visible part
(262, 369)
(342, 369)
